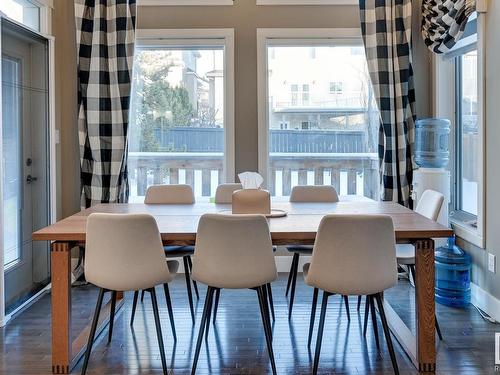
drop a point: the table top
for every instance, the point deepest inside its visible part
(178, 223)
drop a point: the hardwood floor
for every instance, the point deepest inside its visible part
(237, 344)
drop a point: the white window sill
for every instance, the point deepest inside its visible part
(467, 232)
(307, 2)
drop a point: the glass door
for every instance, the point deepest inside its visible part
(25, 129)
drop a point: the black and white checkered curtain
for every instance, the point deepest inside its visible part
(443, 22)
(105, 43)
(386, 29)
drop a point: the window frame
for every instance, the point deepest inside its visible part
(287, 36)
(205, 37)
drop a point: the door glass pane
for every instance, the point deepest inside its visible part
(177, 119)
(11, 132)
(22, 11)
(331, 133)
(469, 133)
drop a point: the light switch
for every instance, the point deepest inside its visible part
(491, 263)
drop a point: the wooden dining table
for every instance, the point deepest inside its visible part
(178, 225)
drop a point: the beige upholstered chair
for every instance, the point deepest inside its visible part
(234, 252)
(175, 194)
(125, 252)
(429, 205)
(224, 193)
(317, 194)
(346, 247)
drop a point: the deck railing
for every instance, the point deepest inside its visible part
(349, 173)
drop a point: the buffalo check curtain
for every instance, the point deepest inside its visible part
(443, 22)
(386, 30)
(105, 31)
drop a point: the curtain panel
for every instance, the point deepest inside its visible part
(386, 30)
(105, 35)
(444, 21)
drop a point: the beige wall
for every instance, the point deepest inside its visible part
(245, 17)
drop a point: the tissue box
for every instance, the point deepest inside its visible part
(251, 201)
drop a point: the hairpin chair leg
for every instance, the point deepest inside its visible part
(313, 315)
(158, 330)
(346, 302)
(387, 332)
(267, 325)
(112, 315)
(320, 331)
(170, 310)
(93, 329)
(134, 307)
(367, 312)
(271, 303)
(216, 304)
(294, 282)
(374, 320)
(203, 322)
(359, 303)
(142, 296)
(188, 286)
(190, 263)
(293, 267)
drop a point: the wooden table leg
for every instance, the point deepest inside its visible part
(60, 256)
(425, 305)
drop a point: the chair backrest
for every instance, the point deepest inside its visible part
(234, 251)
(124, 252)
(354, 255)
(224, 192)
(169, 194)
(430, 204)
(314, 193)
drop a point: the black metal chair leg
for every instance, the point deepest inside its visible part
(170, 310)
(271, 303)
(313, 316)
(216, 304)
(267, 326)
(188, 286)
(203, 322)
(320, 331)
(367, 312)
(294, 282)
(346, 302)
(387, 332)
(158, 330)
(207, 326)
(112, 315)
(413, 275)
(134, 306)
(93, 328)
(142, 296)
(359, 303)
(190, 262)
(266, 306)
(374, 321)
(290, 274)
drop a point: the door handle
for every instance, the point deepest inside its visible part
(30, 179)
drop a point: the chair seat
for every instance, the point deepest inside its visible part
(178, 251)
(301, 249)
(405, 254)
(173, 266)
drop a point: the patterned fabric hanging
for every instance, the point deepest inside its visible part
(386, 30)
(443, 22)
(105, 42)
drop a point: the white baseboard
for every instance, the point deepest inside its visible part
(485, 301)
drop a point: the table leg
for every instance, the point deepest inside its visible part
(60, 256)
(425, 305)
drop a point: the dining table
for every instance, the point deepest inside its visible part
(178, 225)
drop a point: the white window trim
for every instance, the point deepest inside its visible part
(222, 37)
(444, 106)
(184, 2)
(283, 37)
(307, 2)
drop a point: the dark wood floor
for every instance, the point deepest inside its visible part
(237, 344)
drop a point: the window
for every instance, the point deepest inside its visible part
(331, 140)
(181, 115)
(336, 87)
(22, 11)
(467, 135)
